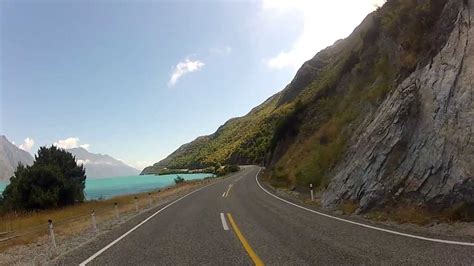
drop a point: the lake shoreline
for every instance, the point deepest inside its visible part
(109, 187)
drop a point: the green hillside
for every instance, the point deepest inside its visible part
(303, 131)
(240, 140)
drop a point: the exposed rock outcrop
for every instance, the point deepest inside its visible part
(419, 146)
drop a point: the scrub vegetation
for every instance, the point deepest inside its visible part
(303, 131)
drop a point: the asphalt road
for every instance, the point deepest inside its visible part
(192, 231)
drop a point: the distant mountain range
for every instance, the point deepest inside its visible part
(99, 165)
(10, 156)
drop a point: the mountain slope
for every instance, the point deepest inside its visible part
(243, 140)
(10, 156)
(383, 117)
(98, 165)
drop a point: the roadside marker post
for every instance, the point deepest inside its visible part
(157, 195)
(94, 222)
(312, 193)
(116, 210)
(52, 238)
(150, 200)
(136, 203)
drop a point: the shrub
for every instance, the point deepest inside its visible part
(460, 212)
(178, 180)
(232, 168)
(221, 171)
(288, 125)
(348, 207)
(279, 178)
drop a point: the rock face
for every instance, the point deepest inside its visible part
(419, 146)
(10, 156)
(99, 165)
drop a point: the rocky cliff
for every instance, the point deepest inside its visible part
(419, 145)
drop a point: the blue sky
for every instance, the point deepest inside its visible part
(136, 79)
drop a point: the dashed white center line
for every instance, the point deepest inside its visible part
(223, 195)
(227, 192)
(224, 222)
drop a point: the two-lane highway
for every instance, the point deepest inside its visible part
(236, 222)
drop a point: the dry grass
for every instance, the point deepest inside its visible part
(411, 214)
(348, 207)
(28, 226)
(402, 214)
(315, 202)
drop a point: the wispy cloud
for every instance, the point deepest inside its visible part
(139, 165)
(220, 50)
(324, 22)
(70, 143)
(182, 68)
(27, 144)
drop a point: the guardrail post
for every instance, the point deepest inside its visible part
(116, 210)
(150, 200)
(136, 203)
(312, 193)
(94, 222)
(51, 237)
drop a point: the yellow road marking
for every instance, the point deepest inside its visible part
(227, 193)
(255, 258)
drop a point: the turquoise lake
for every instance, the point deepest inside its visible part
(114, 186)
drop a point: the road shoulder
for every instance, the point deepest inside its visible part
(463, 232)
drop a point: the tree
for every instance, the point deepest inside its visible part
(54, 180)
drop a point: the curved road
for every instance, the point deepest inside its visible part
(259, 229)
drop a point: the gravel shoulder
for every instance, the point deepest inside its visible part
(457, 231)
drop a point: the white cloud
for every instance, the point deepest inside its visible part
(182, 68)
(70, 143)
(221, 50)
(100, 162)
(85, 146)
(83, 162)
(139, 165)
(27, 144)
(324, 22)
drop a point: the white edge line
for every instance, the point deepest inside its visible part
(223, 194)
(224, 222)
(138, 225)
(364, 225)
